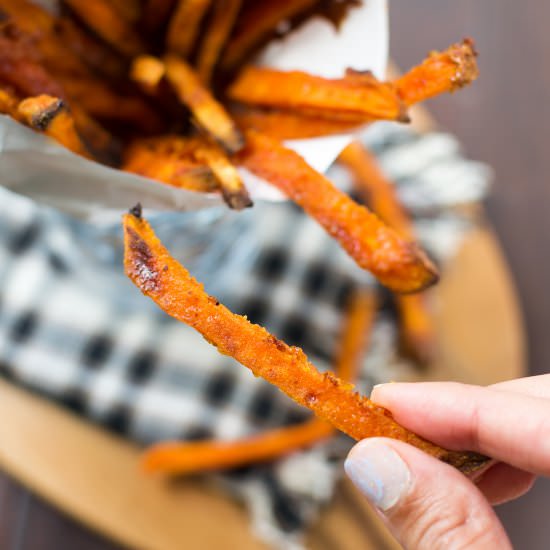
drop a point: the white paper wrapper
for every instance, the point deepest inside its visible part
(35, 166)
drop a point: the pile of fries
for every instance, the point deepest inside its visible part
(167, 89)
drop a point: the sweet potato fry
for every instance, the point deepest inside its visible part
(257, 23)
(283, 125)
(440, 72)
(354, 98)
(233, 190)
(51, 115)
(185, 24)
(176, 458)
(397, 263)
(172, 161)
(219, 28)
(106, 22)
(416, 319)
(209, 114)
(169, 284)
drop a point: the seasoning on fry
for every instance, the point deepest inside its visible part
(169, 284)
(440, 72)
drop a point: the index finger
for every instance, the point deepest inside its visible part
(510, 427)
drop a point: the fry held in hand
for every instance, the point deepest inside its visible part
(396, 263)
(169, 284)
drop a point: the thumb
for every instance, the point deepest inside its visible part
(426, 504)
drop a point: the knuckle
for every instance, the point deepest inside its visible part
(449, 522)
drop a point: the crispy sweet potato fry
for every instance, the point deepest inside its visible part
(169, 284)
(283, 125)
(170, 160)
(178, 458)
(440, 72)
(232, 187)
(106, 22)
(258, 22)
(219, 28)
(185, 24)
(397, 263)
(51, 115)
(417, 323)
(208, 113)
(354, 98)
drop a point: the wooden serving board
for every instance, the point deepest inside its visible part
(94, 476)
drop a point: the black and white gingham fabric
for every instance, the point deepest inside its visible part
(74, 329)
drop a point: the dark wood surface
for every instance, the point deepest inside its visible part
(503, 120)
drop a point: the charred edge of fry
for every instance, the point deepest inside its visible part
(136, 211)
(43, 119)
(465, 57)
(237, 200)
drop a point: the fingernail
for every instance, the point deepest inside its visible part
(378, 472)
(375, 388)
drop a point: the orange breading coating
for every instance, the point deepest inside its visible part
(258, 21)
(171, 160)
(417, 322)
(185, 24)
(106, 22)
(354, 98)
(440, 72)
(208, 113)
(216, 35)
(396, 263)
(51, 115)
(169, 284)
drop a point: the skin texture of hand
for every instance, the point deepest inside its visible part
(428, 504)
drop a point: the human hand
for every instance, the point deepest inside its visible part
(430, 505)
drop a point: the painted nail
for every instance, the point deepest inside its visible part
(378, 472)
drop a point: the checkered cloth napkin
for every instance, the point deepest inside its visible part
(74, 329)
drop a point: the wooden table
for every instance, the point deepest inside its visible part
(503, 120)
